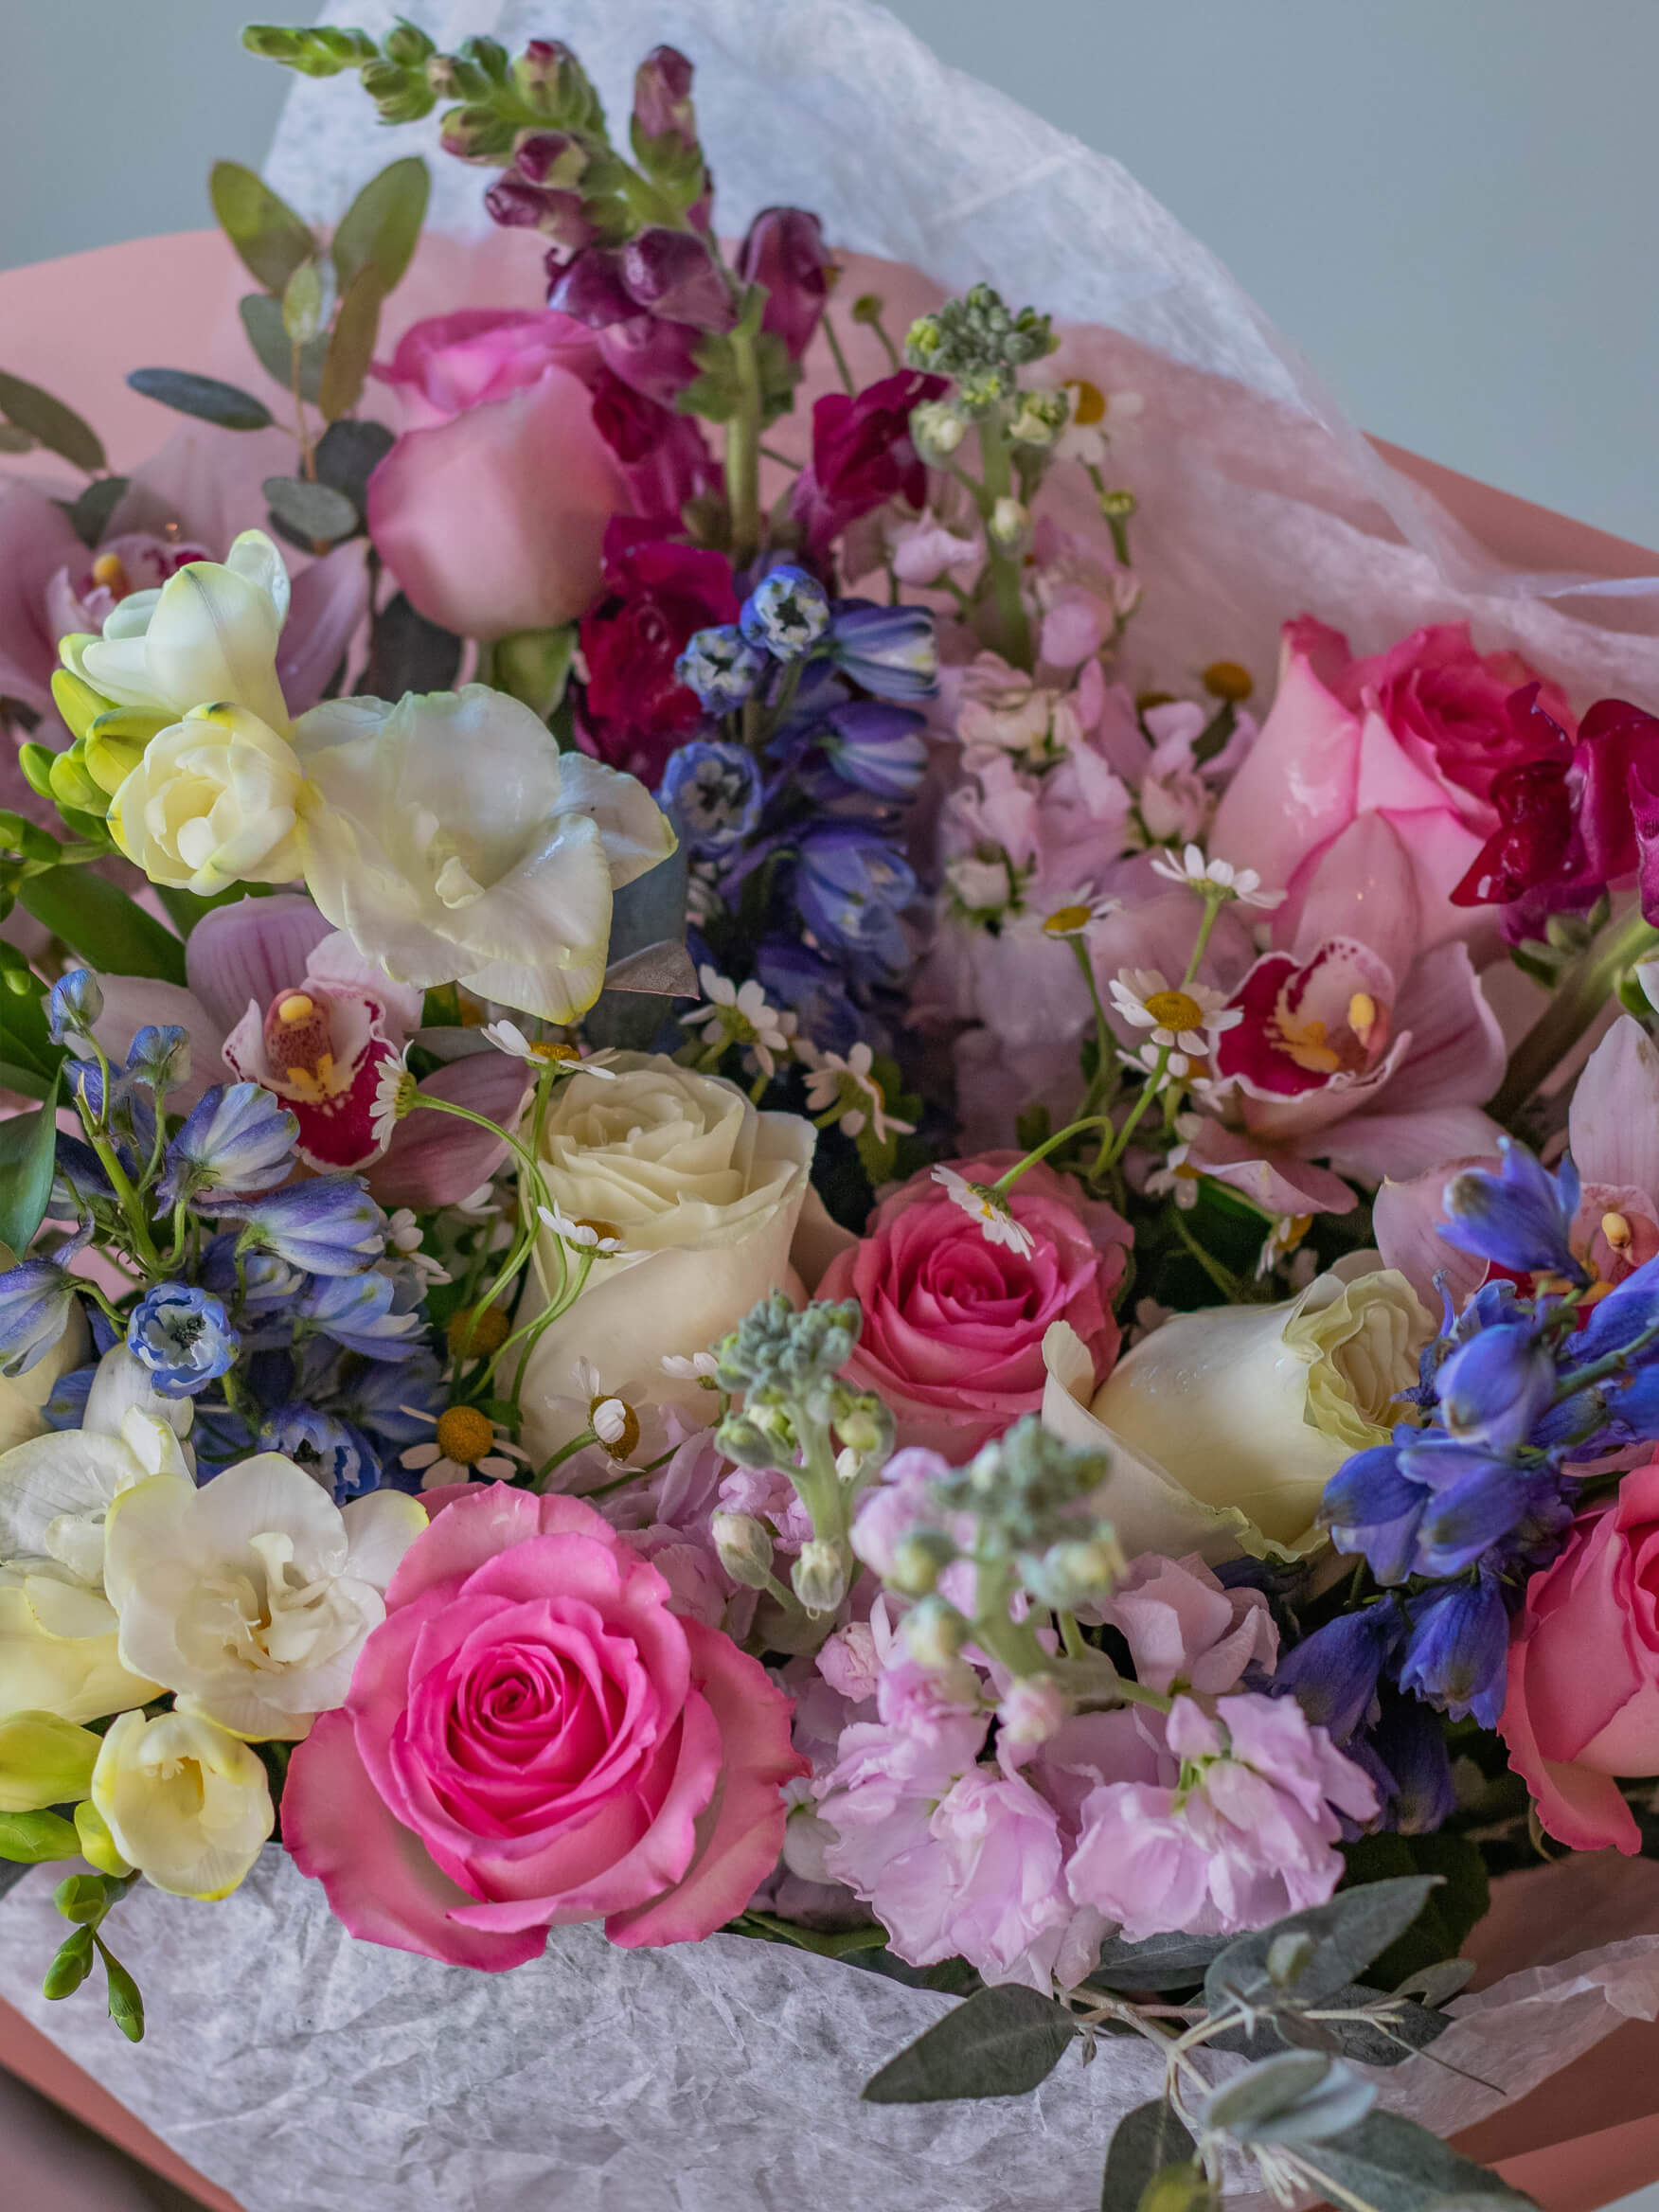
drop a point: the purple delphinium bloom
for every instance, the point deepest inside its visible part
(1522, 1217)
(183, 1334)
(889, 650)
(328, 1226)
(236, 1139)
(851, 886)
(714, 794)
(786, 613)
(361, 1311)
(720, 666)
(338, 1455)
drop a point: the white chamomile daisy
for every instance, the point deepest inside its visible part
(1084, 438)
(603, 1238)
(990, 1208)
(1074, 918)
(692, 1368)
(1210, 877)
(467, 1443)
(548, 1052)
(849, 1082)
(613, 1415)
(1177, 1178)
(394, 1090)
(403, 1234)
(1182, 1017)
(1281, 1240)
(739, 1014)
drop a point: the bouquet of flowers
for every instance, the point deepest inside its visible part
(706, 1232)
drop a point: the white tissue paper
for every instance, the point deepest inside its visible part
(304, 2071)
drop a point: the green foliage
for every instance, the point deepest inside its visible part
(351, 345)
(270, 238)
(1149, 2147)
(50, 424)
(1264, 1973)
(111, 932)
(310, 510)
(1391, 2165)
(347, 454)
(205, 397)
(28, 1146)
(1001, 2043)
(90, 514)
(261, 318)
(29, 1059)
(35, 1837)
(406, 652)
(382, 227)
(1460, 1899)
(72, 1964)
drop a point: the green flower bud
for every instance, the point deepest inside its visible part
(744, 1546)
(934, 1634)
(44, 1761)
(917, 1560)
(818, 1577)
(408, 45)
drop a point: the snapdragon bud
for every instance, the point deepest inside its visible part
(400, 95)
(818, 1577)
(744, 1546)
(1040, 417)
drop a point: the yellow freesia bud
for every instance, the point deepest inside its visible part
(76, 700)
(183, 1801)
(71, 784)
(44, 1761)
(110, 761)
(98, 1846)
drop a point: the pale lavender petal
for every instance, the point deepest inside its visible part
(36, 539)
(131, 1001)
(1613, 1126)
(1362, 886)
(1456, 1056)
(1404, 1224)
(325, 611)
(251, 949)
(1379, 1145)
(1277, 1182)
(436, 1159)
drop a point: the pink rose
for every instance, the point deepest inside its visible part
(532, 1738)
(1416, 733)
(953, 1325)
(519, 445)
(1582, 1703)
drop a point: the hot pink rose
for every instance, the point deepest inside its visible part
(1582, 1703)
(519, 445)
(953, 1325)
(1416, 733)
(532, 1738)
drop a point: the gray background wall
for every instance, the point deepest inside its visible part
(1448, 203)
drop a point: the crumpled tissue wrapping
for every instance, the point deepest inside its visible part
(306, 2072)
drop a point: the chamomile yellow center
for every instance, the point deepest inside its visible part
(1065, 919)
(464, 1435)
(1229, 681)
(1174, 1010)
(477, 1330)
(1088, 404)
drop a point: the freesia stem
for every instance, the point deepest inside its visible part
(1578, 1000)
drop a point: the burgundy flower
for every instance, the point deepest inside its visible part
(636, 710)
(784, 250)
(862, 454)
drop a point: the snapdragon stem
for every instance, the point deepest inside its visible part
(847, 384)
(743, 452)
(1577, 999)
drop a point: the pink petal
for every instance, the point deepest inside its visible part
(380, 1882)
(1582, 1809)
(1362, 887)
(741, 1834)
(327, 603)
(36, 539)
(251, 949)
(436, 1159)
(339, 1131)
(131, 1001)
(1277, 1182)
(1456, 1056)
(478, 1521)
(1403, 1219)
(1373, 1145)
(1613, 1125)
(1296, 788)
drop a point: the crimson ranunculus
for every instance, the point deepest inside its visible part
(953, 1325)
(636, 710)
(532, 1738)
(862, 454)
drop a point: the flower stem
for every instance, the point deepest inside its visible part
(1579, 998)
(743, 452)
(1049, 1144)
(1013, 628)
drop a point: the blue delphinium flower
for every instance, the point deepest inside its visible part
(1407, 1743)
(236, 1138)
(339, 1455)
(714, 794)
(721, 667)
(1491, 1389)
(327, 1226)
(74, 1009)
(1521, 1217)
(183, 1334)
(65, 1408)
(78, 1181)
(792, 976)
(851, 886)
(1457, 1648)
(786, 613)
(1334, 1672)
(362, 1313)
(124, 1108)
(267, 1285)
(394, 1406)
(36, 1304)
(889, 650)
(159, 1057)
(877, 747)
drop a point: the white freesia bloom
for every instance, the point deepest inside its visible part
(705, 1195)
(454, 839)
(185, 1802)
(59, 1649)
(1224, 1427)
(214, 801)
(251, 1598)
(206, 637)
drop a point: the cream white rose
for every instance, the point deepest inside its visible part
(213, 801)
(251, 1598)
(705, 1195)
(1224, 1426)
(456, 842)
(185, 1802)
(206, 637)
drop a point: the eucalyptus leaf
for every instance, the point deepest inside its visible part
(111, 932)
(406, 652)
(27, 1147)
(1373, 2043)
(14, 440)
(351, 347)
(205, 397)
(310, 510)
(26, 406)
(305, 304)
(1145, 2144)
(90, 514)
(1001, 2043)
(1440, 1931)
(36, 1837)
(1297, 2097)
(261, 318)
(347, 454)
(269, 237)
(382, 227)
(1349, 1932)
(1389, 2163)
(1161, 1962)
(1437, 1985)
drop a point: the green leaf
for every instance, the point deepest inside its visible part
(51, 424)
(1001, 2043)
(72, 1964)
(205, 397)
(347, 454)
(1145, 2143)
(14, 440)
(1296, 2098)
(26, 1041)
(268, 235)
(111, 932)
(261, 318)
(90, 513)
(1453, 1910)
(382, 227)
(1349, 1932)
(1389, 2163)
(35, 1837)
(1411, 2028)
(406, 652)
(352, 348)
(310, 510)
(304, 304)
(1161, 1962)
(28, 1149)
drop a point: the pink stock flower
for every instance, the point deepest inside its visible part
(520, 443)
(1416, 735)
(953, 1325)
(533, 1737)
(1243, 1833)
(1183, 1626)
(1582, 1703)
